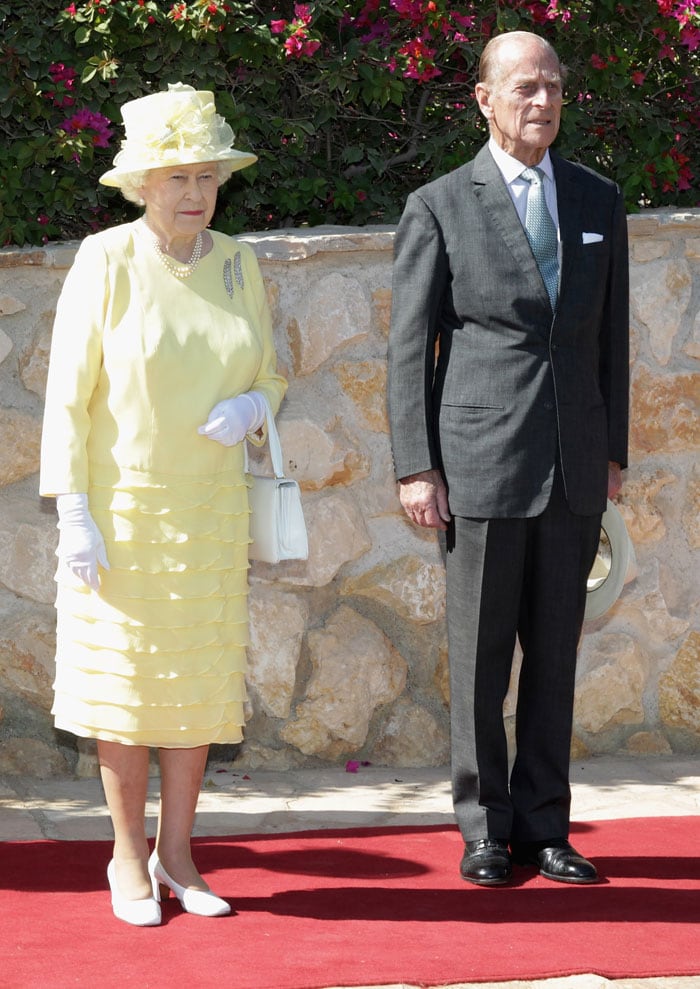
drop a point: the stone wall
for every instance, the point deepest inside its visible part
(348, 656)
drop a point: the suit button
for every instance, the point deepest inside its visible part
(549, 406)
(555, 346)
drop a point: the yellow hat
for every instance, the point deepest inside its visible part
(177, 127)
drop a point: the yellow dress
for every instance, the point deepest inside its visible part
(139, 357)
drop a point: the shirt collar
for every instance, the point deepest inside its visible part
(511, 169)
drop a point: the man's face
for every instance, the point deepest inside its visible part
(522, 100)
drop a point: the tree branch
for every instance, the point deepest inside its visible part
(409, 154)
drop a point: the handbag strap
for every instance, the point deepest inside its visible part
(273, 439)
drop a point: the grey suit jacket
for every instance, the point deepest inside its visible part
(485, 383)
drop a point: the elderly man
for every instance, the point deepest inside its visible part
(508, 398)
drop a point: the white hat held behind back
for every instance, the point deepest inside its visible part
(614, 565)
(177, 127)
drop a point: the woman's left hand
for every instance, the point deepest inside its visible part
(230, 420)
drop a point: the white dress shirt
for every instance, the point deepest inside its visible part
(511, 169)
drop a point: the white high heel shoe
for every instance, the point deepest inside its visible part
(140, 913)
(204, 903)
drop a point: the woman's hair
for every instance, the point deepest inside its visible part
(131, 184)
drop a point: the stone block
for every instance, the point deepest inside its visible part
(409, 586)
(34, 361)
(27, 551)
(679, 689)
(277, 625)
(5, 345)
(411, 736)
(659, 294)
(31, 757)
(638, 505)
(649, 250)
(27, 658)
(9, 305)
(665, 412)
(381, 306)
(337, 535)
(690, 515)
(611, 694)
(365, 384)
(319, 457)
(648, 743)
(20, 441)
(355, 670)
(692, 346)
(337, 311)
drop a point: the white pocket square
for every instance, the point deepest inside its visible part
(587, 238)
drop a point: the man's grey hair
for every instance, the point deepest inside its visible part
(489, 64)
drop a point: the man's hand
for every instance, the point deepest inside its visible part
(614, 479)
(424, 499)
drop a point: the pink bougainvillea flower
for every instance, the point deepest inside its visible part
(684, 11)
(407, 8)
(464, 21)
(690, 37)
(638, 78)
(88, 120)
(62, 73)
(419, 60)
(352, 766)
(293, 47)
(302, 12)
(422, 73)
(277, 27)
(379, 31)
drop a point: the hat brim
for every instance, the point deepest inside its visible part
(615, 553)
(236, 160)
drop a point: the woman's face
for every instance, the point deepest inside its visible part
(180, 201)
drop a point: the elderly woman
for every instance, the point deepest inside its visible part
(162, 363)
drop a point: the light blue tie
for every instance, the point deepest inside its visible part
(541, 232)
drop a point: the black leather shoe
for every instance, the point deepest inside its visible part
(557, 860)
(486, 862)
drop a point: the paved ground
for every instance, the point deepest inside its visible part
(268, 802)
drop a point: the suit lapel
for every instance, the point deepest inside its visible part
(491, 192)
(569, 205)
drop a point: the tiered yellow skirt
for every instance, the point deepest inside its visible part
(157, 656)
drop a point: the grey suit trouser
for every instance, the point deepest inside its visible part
(523, 577)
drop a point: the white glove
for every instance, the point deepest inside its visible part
(229, 421)
(80, 543)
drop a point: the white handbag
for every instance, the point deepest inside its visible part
(277, 526)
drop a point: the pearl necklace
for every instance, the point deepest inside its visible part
(180, 269)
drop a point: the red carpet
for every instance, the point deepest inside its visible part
(331, 908)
